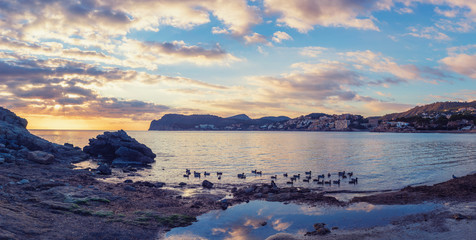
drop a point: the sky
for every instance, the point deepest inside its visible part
(107, 64)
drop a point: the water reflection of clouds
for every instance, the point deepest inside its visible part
(279, 226)
(312, 211)
(317, 211)
(256, 222)
(367, 207)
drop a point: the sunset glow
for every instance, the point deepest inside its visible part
(120, 64)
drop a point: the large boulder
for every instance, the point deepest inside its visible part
(16, 143)
(119, 149)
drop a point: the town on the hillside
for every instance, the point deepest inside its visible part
(418, 119)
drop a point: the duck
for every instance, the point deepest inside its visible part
(285, 174)
(253, 171)
(350, 174)
(315, 180)
(320, 176)
(328, 175)
(336, 182)
(327, 182)
(293, 179)
(241, 175)
(206, 174)
(305, 180)
(186, 175)
(320, 182)
(353, 181)
(343, 176)
(290, 183)
(259, 173)
(219, 173)
(196, 174)
(297, 176)
(274, 177)
(454, 177)
(308, 173)
(187, 171)
(219, 177)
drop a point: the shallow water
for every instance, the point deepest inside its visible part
(246, 220)
(381, 161)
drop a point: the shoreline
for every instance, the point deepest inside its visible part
(32, 193)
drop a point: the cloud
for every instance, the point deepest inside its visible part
(380, 107)
(255, 38)
(428, 33)
(376, 62)
(151, 54)
(280, 36)
(447, 13)
(309, 82)
(461, 63)
(303, 15)
(312, 51)
(58, 87)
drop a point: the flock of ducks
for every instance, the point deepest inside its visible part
(307, 177)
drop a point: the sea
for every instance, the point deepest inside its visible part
(380, 161)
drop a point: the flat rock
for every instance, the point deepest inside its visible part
(40, 157)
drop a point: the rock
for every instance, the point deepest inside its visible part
(104, 169)
(69, 145)
(57, 205)
(159, 184)
(320, 230)
(318, 225)
(119, 149)
(128, 181)
(281, 236)
(11, 118)
(23, 181)
(249, 190)
(130, 188)
(263, 223)
(224, 204)
(2, 160)
(458, 216)
(181, 184)
(207, 184)
(40, 157)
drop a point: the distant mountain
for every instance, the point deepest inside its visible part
(240, 117)
(209, 122)
(431, 108)
(276, 119)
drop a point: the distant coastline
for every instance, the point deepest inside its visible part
(452, 117)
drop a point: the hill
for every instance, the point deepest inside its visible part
(437, 107)
(208, 122)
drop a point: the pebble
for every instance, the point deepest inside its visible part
(23, 181)
(130, 188)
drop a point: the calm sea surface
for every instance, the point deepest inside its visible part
(381, 161)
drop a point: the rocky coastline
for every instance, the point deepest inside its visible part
(43, 196)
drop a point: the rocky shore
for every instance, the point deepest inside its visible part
(43, 196)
